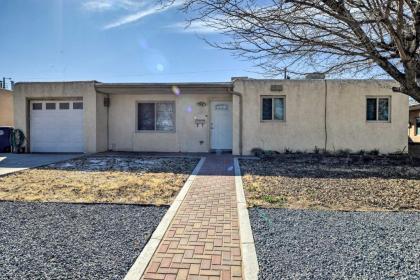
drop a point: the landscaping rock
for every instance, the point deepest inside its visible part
(72, 241)
(305, 244)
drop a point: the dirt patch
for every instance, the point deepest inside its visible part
(361, 183)
(145, 180)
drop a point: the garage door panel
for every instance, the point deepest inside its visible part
(56, 130)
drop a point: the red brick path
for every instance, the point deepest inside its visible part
(202, 241)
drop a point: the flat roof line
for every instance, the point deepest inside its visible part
(192, 85)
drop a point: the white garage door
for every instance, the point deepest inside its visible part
(56, 126)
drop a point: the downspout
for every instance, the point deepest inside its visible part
(325, 115)
(240, 119)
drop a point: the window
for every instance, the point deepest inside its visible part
(417, 126)
(156, 116)
(64, 106)
(377, 109)
(50, 106)
(272, 108)
(78, 105)
(36, 106)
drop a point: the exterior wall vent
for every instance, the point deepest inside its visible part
(276, 87)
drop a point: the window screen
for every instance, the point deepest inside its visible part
(146, 116)
(278, 108)
(50, 106)
(417, 126)
(383, 109)
(371, 109)
(36, 106)
(159, 116)
(64, 106)
(272, 108)
(267, 109)
(165, 118)
(377, 109)
(78, 105)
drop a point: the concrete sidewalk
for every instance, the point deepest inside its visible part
(10, 162)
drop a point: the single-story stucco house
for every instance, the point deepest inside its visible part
(237, 116)
(6, 108)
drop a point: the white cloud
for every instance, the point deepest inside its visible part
(136, 16)
(98, 5)
(138, 9)
(197, 26)
(105, 5)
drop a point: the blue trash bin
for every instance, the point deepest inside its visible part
(5, 145)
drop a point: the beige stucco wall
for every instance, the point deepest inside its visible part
(348, 102)
(412, 129)
(6, 108)
(305, 121)
(101, 123)
(24, 92)
(187, 137)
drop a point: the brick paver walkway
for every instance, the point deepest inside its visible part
(202, 241)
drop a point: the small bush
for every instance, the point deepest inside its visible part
(374, 152)
(272, 199)
(258, 152)
(263, 153)
(361, 152)
(345, 152)
(288, 151)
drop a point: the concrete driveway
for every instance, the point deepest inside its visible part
(10, 163)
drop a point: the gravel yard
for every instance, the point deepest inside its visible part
(72, 241)
(306, 244)
(304, 181)
(114, 178)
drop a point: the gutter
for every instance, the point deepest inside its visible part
(240, 119)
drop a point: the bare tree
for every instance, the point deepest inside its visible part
(363, 37)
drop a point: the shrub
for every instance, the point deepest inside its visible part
(362, 152)
(272, 199)
(258, 152)
(344, 152)
(288, 151)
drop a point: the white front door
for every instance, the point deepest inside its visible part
(221, 125)
(56, 126)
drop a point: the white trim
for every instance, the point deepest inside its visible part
(249, 256)
(137, 269)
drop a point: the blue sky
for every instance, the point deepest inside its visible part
(109, 41)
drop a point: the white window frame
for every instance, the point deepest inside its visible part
(272, 97)
(377, 97)
(154, 130)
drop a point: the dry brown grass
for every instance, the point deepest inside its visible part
(317, 182)
(157, 184)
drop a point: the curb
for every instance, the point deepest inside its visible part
(249, 256)
(137, 269)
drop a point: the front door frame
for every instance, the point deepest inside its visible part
(211, 101)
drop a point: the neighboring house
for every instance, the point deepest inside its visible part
(6, 108)
(200, 117)
(414, 124)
